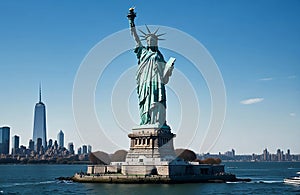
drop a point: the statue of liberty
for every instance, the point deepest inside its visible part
(152, 75)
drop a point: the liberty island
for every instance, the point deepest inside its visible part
(151, 157)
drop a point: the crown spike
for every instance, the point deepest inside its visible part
(148, 29)
(142, 32)
(161, 34)
(156, 31)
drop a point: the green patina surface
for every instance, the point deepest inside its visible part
(151, 76)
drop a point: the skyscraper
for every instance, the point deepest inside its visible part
(50, 142)
(71, 148)
(39, 126)
(39, 144)
(31, 144)
(60, 138)
(266, 155)
(55, 144)
(4, 140)
(79, 151)
(84, 149)
(15, 144)
(89, 149)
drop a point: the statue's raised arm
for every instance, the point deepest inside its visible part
(131, 15)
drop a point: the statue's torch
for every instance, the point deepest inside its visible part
(131, 15)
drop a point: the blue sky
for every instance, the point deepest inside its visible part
(256, 45)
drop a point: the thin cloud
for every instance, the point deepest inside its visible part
(251, 101)
(291, 77)
(266, 79)
(292, 114)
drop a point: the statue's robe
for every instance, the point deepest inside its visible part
(151, 85)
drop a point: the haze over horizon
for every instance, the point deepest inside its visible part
(255, 44)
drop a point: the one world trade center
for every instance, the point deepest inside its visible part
(39, 126)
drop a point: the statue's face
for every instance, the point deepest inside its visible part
(151, 41)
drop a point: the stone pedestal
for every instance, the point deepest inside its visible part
(150, 145)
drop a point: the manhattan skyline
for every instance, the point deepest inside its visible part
(255, 45)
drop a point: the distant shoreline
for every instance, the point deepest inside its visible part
(42, 162)
(32, 162)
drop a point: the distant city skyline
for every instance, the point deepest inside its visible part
(17, 149)
(265, 156)
(255, 45)
(84, 149)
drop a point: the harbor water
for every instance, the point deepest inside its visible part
(267, 178)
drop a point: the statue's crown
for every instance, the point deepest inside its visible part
(151, 34)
